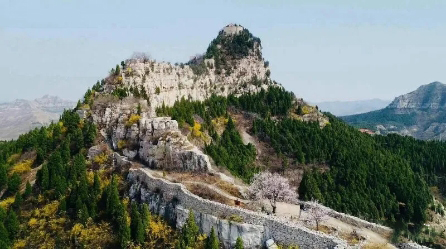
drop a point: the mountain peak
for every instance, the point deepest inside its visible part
(429, 96)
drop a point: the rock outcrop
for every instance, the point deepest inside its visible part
(156, 141)
(430, 96)
(419, 114)
(165, 83)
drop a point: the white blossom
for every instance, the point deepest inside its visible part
(317, 212)
(273, 187)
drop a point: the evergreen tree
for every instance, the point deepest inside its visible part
(40, 156)
(113, 204)
(189, 233)
(12, 224)
(3, 214)
(3, 176)
(124, 233)
(96, 186)
(63, 205)
(28, 190)
(17, 201)
(4, 236)
(14, 183)
(45, 178)
(145, 216)
(239, 243)
(212, 241)
(136, 225)
(65, 152)
(83, 215)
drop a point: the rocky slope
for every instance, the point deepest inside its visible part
(124, 105)
(421, 114)
(22, 115)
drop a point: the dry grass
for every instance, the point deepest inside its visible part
(208, 179)
(375, 246)
(209, 194)
(229, 188)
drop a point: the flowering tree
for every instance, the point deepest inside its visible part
(272, 187)
(317, 212)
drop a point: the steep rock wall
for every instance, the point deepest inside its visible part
(156, 141)
(171, 200)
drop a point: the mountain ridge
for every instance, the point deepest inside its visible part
(21, 115)
(420, 114)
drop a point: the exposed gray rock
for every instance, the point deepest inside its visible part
(430, 96)
(172, 201)
(157, 141)
(94, 151)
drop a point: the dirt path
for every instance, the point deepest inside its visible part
(292, 211)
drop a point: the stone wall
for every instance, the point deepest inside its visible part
(411, 246)
(256, 227)
(355, 221)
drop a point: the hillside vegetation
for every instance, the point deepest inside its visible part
(385, 179)
(56, 194)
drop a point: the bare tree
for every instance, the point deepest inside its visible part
(140, 56)
(317, 212)
(273, 187)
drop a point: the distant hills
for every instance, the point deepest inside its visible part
(421, 114)
(21, 115)
(344, 108)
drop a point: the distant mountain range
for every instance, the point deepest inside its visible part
(21, 115)
(421, 114)
(344, 108)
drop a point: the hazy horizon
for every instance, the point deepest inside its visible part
(322, 51)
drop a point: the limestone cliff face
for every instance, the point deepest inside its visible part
(232, 64)
(201, 77)
(156, 141)
(420, 114)
(430, 96)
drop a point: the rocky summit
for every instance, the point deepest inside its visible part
(124, 105)
(211, 153)
(420, 114)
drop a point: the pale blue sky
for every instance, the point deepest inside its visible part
(321, 50)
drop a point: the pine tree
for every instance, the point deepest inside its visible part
(14, 183)
(63, 205)
(4, 236)
(40, 156)
(123, 229)
(65, 152)
(145, 216)
(189, 233)
(45, 184)
(83, 216)
(18, 201)
(239, 243)
(96, 186)
(2, 214)
(12, 224)
(28, 190)
(113, 203)
(136, 225)
(212, 241)
(3, 176)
